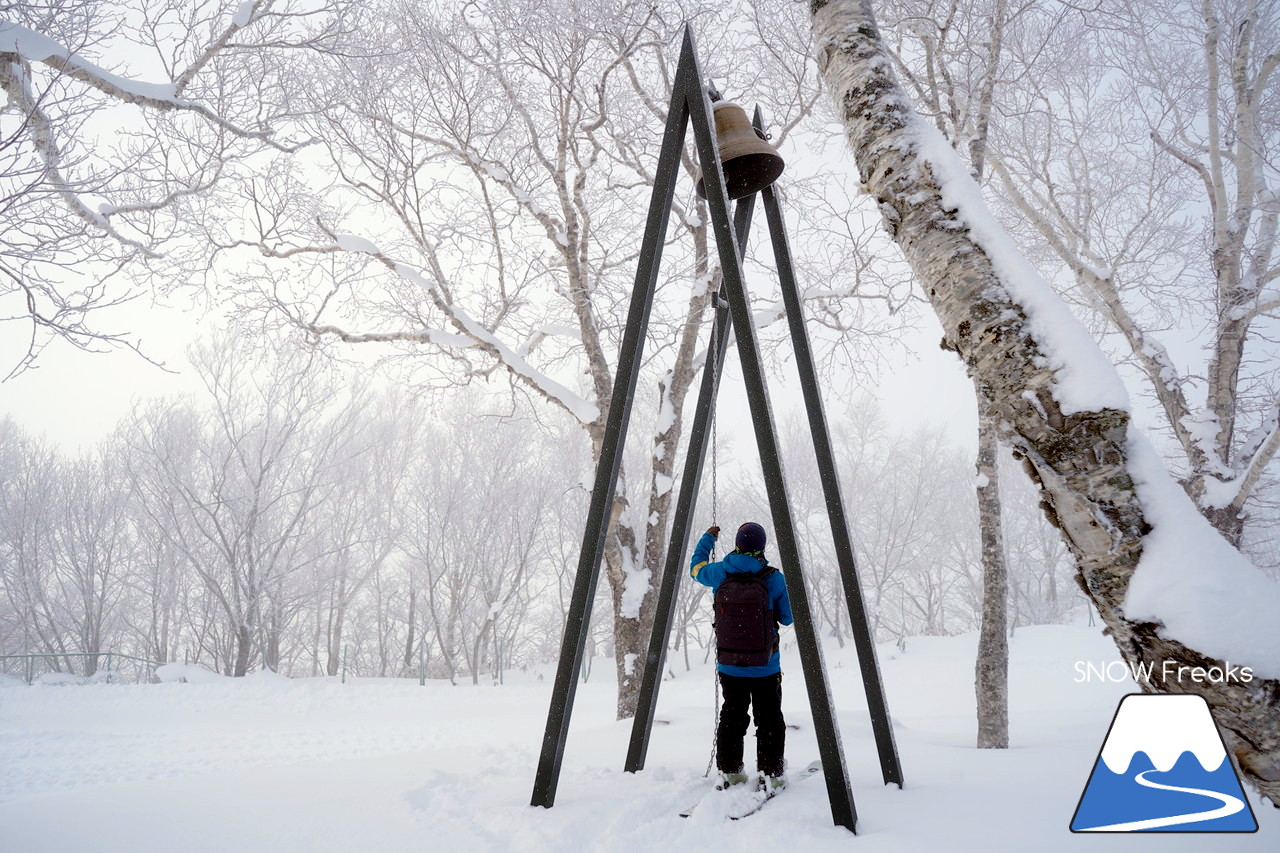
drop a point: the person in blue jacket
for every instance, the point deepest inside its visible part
(751, 679)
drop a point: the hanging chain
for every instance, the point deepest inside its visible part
(715, 733)
(715, 486)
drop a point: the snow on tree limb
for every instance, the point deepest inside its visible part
(1258, 451)
(16, 83)
(416, 336)
(1152, 356)
(36, 47)
(18, 43)
(470, 333)
(1193, 582)
(1019, 345)
(245, 15)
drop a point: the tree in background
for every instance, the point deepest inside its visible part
(238, 487)
(478, 534)
(991, 666)
(362, 527)
(950, 60)
(28, 501)
(93, 546)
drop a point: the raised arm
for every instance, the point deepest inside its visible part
(700, 569)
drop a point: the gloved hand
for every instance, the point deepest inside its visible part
(714, 530)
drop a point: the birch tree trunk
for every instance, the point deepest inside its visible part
(991, 682)
(1079, 459)
(954, 77)
(409, 638)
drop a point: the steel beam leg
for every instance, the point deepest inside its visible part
(578, 622)
(830, 750)
(877, 705)
(686, 502)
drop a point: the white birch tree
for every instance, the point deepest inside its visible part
(949, 56)
(1060, 403)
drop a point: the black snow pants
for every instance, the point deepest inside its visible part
(764, 696)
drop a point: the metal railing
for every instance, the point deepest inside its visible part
(121, 668)
(117, 667)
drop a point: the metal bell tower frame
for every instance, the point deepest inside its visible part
(690, 103)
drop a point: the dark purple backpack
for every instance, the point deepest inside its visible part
(745, 634)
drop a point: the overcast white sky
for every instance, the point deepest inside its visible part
(74, 397)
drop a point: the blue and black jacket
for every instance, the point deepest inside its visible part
(713, 574)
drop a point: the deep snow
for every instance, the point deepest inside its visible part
(265, 763)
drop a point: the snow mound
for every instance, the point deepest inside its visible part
(266, 676)
(61, 679)
(190, 673)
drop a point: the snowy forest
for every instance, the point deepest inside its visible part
(237, 529)
(405, 233)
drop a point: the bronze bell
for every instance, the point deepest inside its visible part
(750, 163)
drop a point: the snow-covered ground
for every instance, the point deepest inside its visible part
(265, 763)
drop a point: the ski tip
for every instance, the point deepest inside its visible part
(768, 795)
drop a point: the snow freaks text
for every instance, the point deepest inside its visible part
(1119, 671)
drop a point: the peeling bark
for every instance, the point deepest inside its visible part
(991, 669)
(1079, 459)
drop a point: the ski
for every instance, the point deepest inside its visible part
(764, 797)
(812, 770)
(736, 790)
(689, 811)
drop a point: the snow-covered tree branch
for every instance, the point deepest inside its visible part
(120, 122)
(1142, 161)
